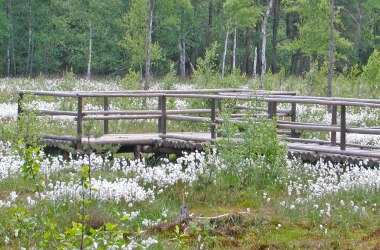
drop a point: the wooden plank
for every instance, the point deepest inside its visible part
(57, 112)
(121, 117)
(188, 118)
(333, 150)
(310, 127)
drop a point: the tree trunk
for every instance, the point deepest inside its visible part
(209, 24)
(331, 50)
(225, 53)
(9, 43)
(148, 44)
(264, 44)
(29, 65)
(234, 51)
(255, 64)
(194, 47)
(247, 50)
(182, 55)
(89, 51)
(276, 21)
(182, 46)
(309, 89)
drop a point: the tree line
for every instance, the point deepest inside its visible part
(252, 36)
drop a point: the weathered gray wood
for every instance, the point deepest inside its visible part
(333, 123)
(106, 106)
(121, 117)
(343, 127)
(213, 116)
(163, 114)
(79, 120)
(293, 113)
(57, 112)
(188, 118)
(312, 127)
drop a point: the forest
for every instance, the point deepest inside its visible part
(51, 37)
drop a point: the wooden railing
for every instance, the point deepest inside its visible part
(271, 100)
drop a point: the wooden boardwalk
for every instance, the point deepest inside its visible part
(163, 141)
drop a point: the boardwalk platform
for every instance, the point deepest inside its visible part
(281, 106)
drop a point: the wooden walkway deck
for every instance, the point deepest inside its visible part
(164, 141)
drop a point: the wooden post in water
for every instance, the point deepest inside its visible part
(213, 116)
(79, 121)
(343, 127)
(333, 122)
(106, 122)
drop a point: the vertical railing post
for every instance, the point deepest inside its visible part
(343, 127)
(106, 129)
(272, 109)
(162, 125)
(213, 116)
(293, 118)
(79, 121)
(19, 103)
(159, 121)
(333, 122)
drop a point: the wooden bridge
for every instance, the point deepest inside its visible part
(266, 103)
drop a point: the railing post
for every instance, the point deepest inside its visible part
(162, 120)
(19, 103)
(293, 119)
(333, 122)
(272, 109)
(343, 127)
(213, 116)
(159, 121)
(106, 122)
(79, 121)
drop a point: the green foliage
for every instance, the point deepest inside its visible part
(242, 13)
(371, 72)
(170, 78)
(206, 75)
(135, 37)
(258, 157)
(131, 80)
(314, 28)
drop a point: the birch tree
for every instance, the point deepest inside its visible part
(264, 44)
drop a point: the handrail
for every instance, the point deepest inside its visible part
(215, 96)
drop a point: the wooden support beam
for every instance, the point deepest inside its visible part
(343, 127)
(213, 116)
(79, 121)
(163, 114)
(293, 118)
(333, 123)
(106, 122)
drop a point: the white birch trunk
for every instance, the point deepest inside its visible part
(182, 55)
(264, 45)
(308, 93)
(148, 44)
(234, 52)
(331, 51)
(29, 65)
(89, 51)
(225, 53)
(255, 64)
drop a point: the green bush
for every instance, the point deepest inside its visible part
(258, 157)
